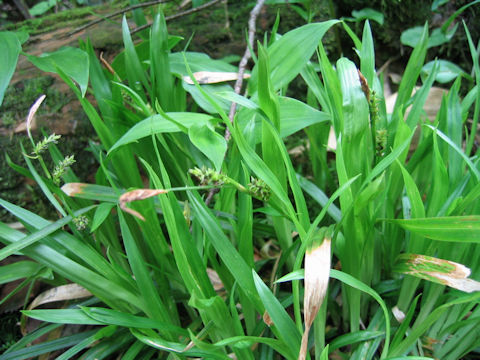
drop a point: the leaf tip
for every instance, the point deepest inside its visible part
(72, 189)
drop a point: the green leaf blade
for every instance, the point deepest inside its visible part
(9, 51)
(71, 61)
(452, 228)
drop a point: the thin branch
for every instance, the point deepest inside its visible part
(227, 19)
(241, 70)
(116, 13)
(180, 14)
(210, 195)
(244, 61)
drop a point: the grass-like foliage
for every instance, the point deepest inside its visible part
(388, 222)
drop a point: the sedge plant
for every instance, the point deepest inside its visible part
(388, 248)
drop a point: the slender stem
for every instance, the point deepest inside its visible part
(241, 70)
(246, 56)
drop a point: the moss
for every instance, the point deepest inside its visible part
(66, 18)
(106, 35)
(20, 96)
(75, 17)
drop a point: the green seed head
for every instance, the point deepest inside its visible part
(41, 146)
(259, 189)
(208, 176)
(81, 222)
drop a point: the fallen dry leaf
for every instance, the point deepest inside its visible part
(213, 77)
(60, 293)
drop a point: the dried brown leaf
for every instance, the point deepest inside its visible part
(215, 279)
(135, 195)
(441, 271)
(30, 123)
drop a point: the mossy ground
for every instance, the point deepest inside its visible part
(71, 18)
(18, 99)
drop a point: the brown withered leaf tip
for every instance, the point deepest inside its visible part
(135, 195)
(446, 272)
(72, 189)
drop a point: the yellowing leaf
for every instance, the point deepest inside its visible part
(440, 271)
(317, 273)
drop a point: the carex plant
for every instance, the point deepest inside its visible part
(171, 276)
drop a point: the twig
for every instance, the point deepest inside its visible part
(177, 15)
(210, 195)
(116, 13)
(241, 70)
(227, 19)
(243, 62)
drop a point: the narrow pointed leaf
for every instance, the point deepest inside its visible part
(71, 61)
(287, 330)
(452, 228)
(114, 317)
(157, 124)
(40, 234)
(291, 52)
